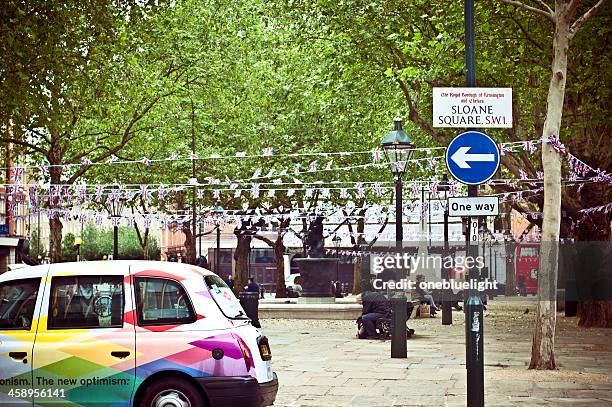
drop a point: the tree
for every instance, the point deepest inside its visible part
(68, 249)
(78, 90)
(562, 16)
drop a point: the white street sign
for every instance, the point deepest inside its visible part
(473, 230)
(472, 107)
(473, 206)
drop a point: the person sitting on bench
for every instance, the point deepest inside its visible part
(424, 295)
(375, 306)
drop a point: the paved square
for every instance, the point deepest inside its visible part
(321, 363)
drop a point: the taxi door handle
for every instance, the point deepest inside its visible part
(120, 354)
(18, 355)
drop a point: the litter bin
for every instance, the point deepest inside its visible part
(250, 304)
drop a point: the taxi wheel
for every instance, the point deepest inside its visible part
(171, 392)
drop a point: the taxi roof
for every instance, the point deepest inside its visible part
(183, 270)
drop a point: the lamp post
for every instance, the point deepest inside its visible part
(218, 212)
(398, 149)
(115, 208)
(78, 242)
(447, 314)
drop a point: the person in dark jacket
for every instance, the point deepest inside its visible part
(253, 287)
(230, 281)
(375, 306)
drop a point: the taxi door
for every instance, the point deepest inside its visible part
(20, 304)
(84, 352)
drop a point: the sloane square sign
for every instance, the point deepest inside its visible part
(472, 107)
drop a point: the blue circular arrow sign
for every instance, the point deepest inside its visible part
(472, 157)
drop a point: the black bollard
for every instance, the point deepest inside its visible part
(447, 311)
(398, 335)
(475, 351)
(250, 303)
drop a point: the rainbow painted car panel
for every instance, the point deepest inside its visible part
(100, 332)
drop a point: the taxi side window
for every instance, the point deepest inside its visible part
(17, 302)
(161, 301)
(86, 302)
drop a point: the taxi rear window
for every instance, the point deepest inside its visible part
(224, 297)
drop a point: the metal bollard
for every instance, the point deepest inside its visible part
(398, 335)
(475, 351)
(250, 303)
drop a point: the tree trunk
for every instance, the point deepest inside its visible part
(510, 269)
(55, 224)
(190, 255)
(55, 239)
(279, 252)
(241, 257)
(542, 350)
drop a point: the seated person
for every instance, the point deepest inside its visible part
(375, 306)
(424, 295)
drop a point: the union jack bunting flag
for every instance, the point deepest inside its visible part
(144, 193)
(145, 161)
(147, 222)
(434, 188)
(16, 174)
(115, 220)
(43, 169)
(267, 152)
(193, 156)
(112, 159)
(344, 193)
(312, 167)
(161, 192)
(377, 155)
(255, 190)
(99, 192)
(530, 146)
(173, 156)
(131, 221)
(378, 189)
(85, 161)
(523, 174)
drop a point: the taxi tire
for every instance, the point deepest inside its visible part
(183, 386)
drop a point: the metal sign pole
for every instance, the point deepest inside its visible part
(474, 321)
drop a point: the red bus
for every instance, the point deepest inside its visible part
(526, 266)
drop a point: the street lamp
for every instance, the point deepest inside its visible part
(78, 242)
(218, 212)
(115, 208)
(398, 149)
(447, 315)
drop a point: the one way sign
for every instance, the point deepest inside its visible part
(473, 206)
(472, 157)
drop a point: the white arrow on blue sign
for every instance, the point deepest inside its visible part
(472, 157)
